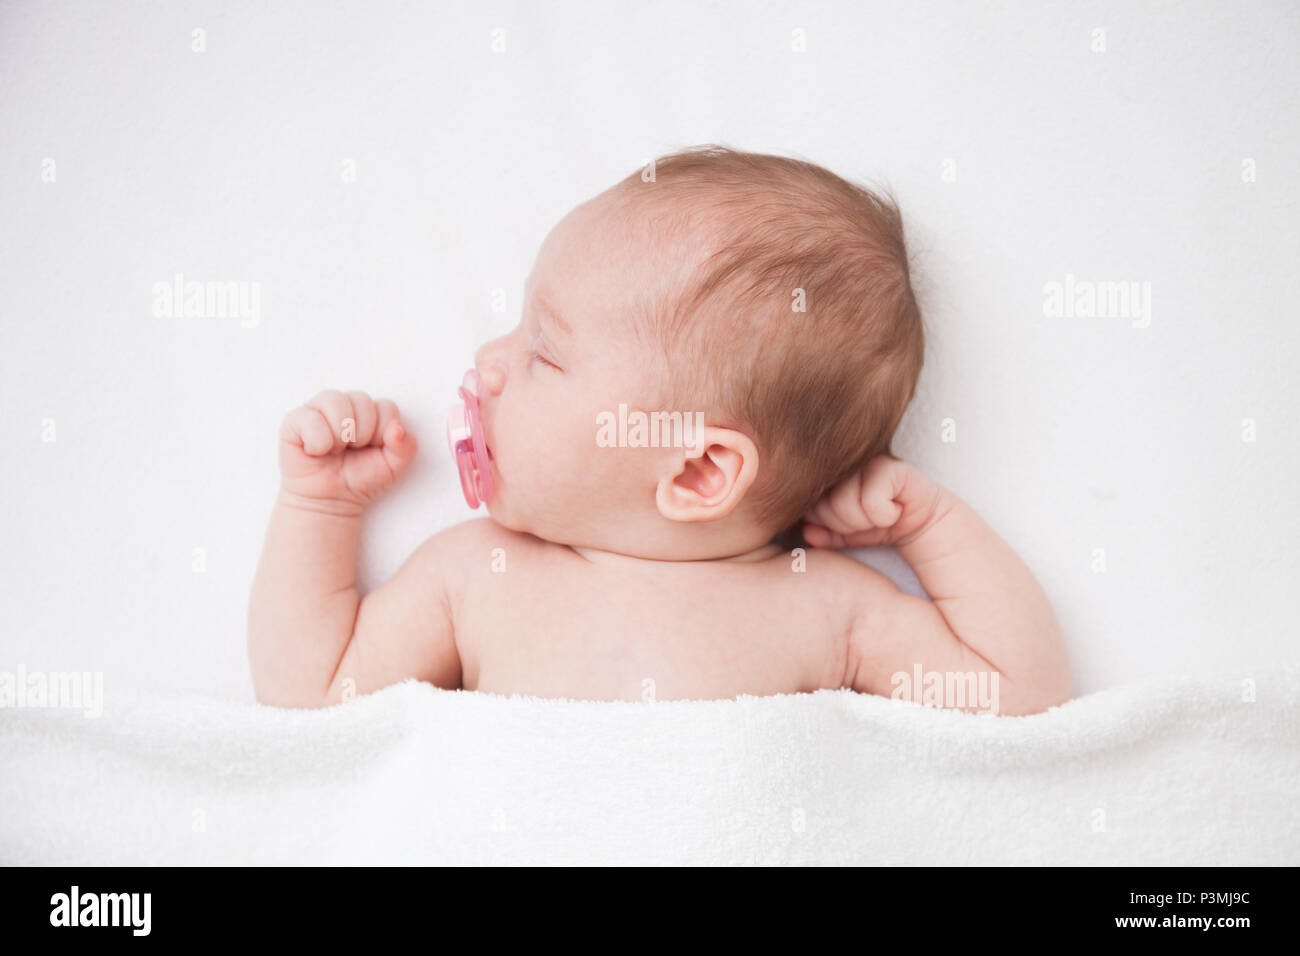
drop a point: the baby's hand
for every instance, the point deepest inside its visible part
(889, 502)
(342, 450)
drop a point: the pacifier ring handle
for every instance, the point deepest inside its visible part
(468, 443)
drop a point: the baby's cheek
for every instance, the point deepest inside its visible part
(561, 470)
(566, 479)
(623, 475)
(552, 473)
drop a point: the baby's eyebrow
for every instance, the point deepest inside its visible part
(549, 309)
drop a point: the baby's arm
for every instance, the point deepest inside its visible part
(988, 613)
(309, 630)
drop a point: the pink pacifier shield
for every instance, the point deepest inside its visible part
(465, 438)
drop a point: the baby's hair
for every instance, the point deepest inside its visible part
(820, 391)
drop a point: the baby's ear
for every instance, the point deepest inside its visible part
(711, 477)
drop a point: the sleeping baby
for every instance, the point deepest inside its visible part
(757, 311)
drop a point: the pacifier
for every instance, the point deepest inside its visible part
(465, 438)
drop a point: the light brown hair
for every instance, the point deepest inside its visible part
(822, 391)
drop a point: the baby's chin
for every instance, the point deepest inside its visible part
(524, 521)
(500, 511)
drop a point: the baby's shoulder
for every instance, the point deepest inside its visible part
(838, 577)
(817, 561)
(472, 533)
(480, 541)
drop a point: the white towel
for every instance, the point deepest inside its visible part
(1201, 770)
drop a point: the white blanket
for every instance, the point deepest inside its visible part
(1176, 771)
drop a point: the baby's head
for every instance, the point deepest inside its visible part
(765, 294)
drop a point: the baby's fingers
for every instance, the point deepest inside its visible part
(883, 481)
(820, 537)
(337, 410)
(333, 420)
(368, 472)
(325, 423)
(398, 445)
(307, 428)
(880, 509)
(840, 509)
(366, 413)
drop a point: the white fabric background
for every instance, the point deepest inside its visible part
(1072, 434)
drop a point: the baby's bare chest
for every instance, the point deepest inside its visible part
(556, 627)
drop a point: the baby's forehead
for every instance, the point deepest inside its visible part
(683, 225)
(613, 257)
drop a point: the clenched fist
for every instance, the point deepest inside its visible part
(342, 450)
(889, 502)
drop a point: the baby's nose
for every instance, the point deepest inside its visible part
(491, 372)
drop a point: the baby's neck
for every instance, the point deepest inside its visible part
(614, 558)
